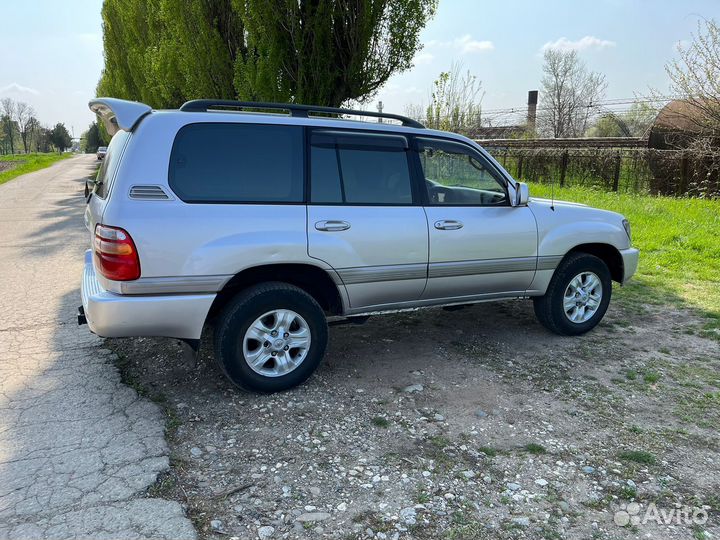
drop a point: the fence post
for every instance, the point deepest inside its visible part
(519, 168)
(563, 167)
(616, 176)
(684, 163)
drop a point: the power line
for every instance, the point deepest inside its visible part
(603, 103)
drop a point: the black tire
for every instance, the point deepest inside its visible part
(549, 309)
(246, 308)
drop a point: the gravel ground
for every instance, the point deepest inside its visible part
(468, 424)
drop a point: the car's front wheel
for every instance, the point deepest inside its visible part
(270, 337)
(577, 297)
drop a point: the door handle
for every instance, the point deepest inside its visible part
(332, 225)
(448, 225)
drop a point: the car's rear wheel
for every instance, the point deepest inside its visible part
(270, 337)
(577, 297)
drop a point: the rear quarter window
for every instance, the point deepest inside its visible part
(106, 173)
(237, 163)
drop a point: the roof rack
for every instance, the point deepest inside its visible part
(296, 110)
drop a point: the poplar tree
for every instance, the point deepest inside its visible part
(323, 52)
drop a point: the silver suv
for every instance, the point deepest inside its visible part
(266, 220)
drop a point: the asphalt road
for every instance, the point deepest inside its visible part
(78, 448)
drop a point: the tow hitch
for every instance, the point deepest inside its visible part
(81, 316)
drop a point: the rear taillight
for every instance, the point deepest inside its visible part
(115, 254)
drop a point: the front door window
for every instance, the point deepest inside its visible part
(455, 176)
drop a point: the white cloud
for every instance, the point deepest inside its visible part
(584, 43)
(423, 58)
(467, 44)
(16, 88)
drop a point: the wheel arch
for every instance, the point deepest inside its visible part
(317, 282)
(608, 253)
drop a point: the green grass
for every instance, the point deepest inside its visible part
(535, 448)
(638, 456)
(27, 163)
(380, 421)
(679, 242)
(488, 451)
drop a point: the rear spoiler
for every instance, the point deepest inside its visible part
(118, 114)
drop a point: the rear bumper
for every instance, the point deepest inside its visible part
(114, 315)
(630, 262)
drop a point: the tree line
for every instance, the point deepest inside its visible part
(21, 131)
(322, 52)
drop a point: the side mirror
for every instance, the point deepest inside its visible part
(522, 194)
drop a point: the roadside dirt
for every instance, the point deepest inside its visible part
(8, 165)
(469, 424)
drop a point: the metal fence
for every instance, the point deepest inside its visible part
(627, 170)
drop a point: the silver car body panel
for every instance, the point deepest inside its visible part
(388, 258)
(478, 258)
(112, 315)
(389, 242)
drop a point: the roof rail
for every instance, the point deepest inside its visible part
(297, 110)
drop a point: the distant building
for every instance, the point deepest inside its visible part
(675, 126)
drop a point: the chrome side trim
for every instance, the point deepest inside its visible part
(149, 193)
(488, 266)
(549, 262)
(167, 285)
(346, 276)
(371, 274)
(434, 302)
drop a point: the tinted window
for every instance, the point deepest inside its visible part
(359, 169)
(237, 163)
(456, 175)
(110, 163)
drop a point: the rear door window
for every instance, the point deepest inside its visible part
(359, 168)
(106, 173)
(237, 163)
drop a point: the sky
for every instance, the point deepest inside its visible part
(52, 51)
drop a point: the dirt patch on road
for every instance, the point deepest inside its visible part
(8, 165)
(434, 424)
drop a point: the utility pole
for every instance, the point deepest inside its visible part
(380, 110)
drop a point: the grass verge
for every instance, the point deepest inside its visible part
(679, 242)
(27, 163)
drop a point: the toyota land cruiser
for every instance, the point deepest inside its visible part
(267, 219)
